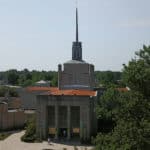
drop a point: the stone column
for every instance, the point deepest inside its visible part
(68, 123)
(56, 121)
(81, 123)
(44, 120)
(88, 123)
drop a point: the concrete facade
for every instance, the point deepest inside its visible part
(28, 98)
(76, 75)
(88, 121)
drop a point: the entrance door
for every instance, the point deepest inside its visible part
(62, 121)
(63, 132)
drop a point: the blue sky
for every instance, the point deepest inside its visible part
(38, 34)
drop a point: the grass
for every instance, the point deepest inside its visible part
(3, 136)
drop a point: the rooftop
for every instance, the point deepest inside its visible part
(42, 82)
(38, 88)
(75, 62)
(71, 93)
(126, 89)
(56, 92)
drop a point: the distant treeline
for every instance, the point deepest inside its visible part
(27, 78)
(108, 77)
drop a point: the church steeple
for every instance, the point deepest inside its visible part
(77, 46)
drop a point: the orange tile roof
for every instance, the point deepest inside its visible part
(56, 91)
(37, 88)
(123, 89)
(71, 92)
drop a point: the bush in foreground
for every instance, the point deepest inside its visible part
(30, 133)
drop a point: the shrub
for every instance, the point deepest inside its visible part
(3, 136)
(30, 133)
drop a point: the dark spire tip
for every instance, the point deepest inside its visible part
(77, 35)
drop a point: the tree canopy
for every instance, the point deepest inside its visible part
(28, 78)
(137, 73)
(7, 91)
(129, 111)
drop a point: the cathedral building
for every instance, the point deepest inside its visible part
(68, 111)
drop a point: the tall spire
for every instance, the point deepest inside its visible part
(77, 46)
(77, 35)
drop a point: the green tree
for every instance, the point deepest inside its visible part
(10, 91)
(2, 91)
(131, 113)
(136, 74)
(107, 77)
(13, 77)
(30, 133)
(54, 81)
(129, 110)
(13, 92)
